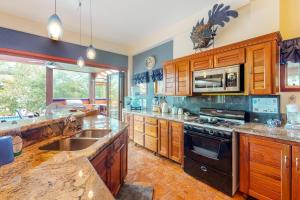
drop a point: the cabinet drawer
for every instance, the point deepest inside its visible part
(151, 130)
(231, 57)
(151, 120)
(139, 126)
(203, 62)
(139, 138)
(138, 118)
(151, 143)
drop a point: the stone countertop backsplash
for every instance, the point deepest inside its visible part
(258, 129)
(38, 174)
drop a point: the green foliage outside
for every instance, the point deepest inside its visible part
(70, 85)
(21, 86)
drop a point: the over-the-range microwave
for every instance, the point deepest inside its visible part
(225, 79)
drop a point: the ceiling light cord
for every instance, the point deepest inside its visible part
(80, 22)
(91, 21)
(55, 6)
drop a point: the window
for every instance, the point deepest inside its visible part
(22, 87)
(293, 74)
(70, 85)
(101, 86)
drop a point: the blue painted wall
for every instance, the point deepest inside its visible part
(16, 40)
(162, 53)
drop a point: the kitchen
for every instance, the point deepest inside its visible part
(174, 114)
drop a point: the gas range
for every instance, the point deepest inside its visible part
(218, 119)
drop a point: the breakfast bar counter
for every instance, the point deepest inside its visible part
(38, 174)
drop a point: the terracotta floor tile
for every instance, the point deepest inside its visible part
(169, 180)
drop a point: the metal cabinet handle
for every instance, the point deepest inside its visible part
(297, 163)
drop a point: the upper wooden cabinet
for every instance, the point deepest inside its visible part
(177, 79)
(227, 58)
(183, 78)
(204, 62)
(259, 64)
(169, 72)
(265, 168)
(296, 173)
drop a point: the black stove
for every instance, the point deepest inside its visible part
(210, 148)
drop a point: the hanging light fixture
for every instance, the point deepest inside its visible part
(55, 27)
(91, 51)
(80, 60)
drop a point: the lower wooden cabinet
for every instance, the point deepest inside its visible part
(111, 163)
(128, 118)
(269, 169)
(163, 137)
(176, 141)
(296, 173)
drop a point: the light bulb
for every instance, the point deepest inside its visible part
(91, 52)
(80, 61)
(55, 27)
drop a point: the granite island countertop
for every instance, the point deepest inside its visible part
(38, 174)
(37, 122)
(257, 129)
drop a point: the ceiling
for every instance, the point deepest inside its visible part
(119, 21)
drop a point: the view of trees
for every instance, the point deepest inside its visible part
(22, 86)
(70, 85)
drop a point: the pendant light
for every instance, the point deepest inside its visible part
(80, 60)
(55, 27)
(91, 51)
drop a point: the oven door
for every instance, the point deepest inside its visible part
(209, 150)
(209, 81)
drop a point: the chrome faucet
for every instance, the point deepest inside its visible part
(67, 125)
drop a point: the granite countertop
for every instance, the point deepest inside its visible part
(37, 122)
(258, 129)
(38, 174)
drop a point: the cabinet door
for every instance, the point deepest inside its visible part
(129, 121)
(264, 168)
(203, 62)
(115, 172)
(124, 157)
(100, 165)
(169, 79)
(296, 173)
(259, 62)
(233, 57)
(163, 138)
(176, 141)
(183, 78)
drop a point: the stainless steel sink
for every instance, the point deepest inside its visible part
(69, 144)
(93, 133)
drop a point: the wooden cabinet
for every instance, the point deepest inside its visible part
(203, 62)
(183, 78)
(227, 58)
(296, 173)
(151, 133)
(169, 72)
(111, 163)
(265, 167)
(129, 120)
(177, 79)
(176, 141)
(259, 64)
(163, 137)
(139, 134)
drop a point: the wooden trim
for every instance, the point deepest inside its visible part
(244, 164)
(49, 86)
(253, 41)
(55, 58)
(283, 87)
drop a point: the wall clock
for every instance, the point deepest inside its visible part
(150, 62)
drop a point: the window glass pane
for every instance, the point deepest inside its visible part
(100, 91)
(293, 74)
(22, 87)
(70, 85)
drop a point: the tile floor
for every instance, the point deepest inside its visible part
(169, 180)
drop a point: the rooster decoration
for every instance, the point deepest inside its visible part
(202, 34)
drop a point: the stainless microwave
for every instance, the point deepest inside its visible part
(226, 79)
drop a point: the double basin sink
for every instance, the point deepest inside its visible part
(80, 141)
